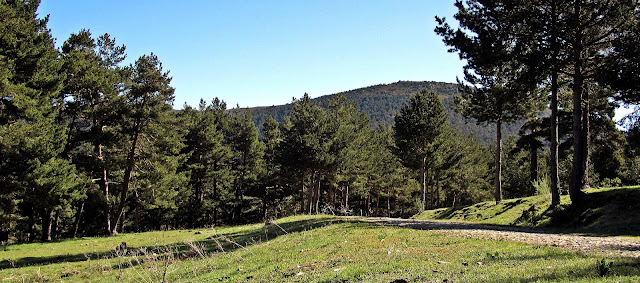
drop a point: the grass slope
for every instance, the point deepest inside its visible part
(609, 211)
(303, 249)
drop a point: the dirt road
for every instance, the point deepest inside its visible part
(612, 246)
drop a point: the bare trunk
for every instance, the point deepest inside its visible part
(555, 187)
(346, 199)
(131, 163)
(389, 204)
(31, 235)
(585, 140)
(265, 200)
(104, 185)
(310, 194)
(368, 212)
(576, 183)
(423, 184)
(76, 223)
(302, 207)
(216, 201)
(533, 166)
(429, 187)
(46, 226)
(437, 193)
(498, 179)
(577, 172)
(332, 194)
(55, 227)
(316, 194)
(375, 213)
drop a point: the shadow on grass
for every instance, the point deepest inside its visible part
(607, 212)
(223, 242)
(437, 225)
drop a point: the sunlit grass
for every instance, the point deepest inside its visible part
(303, 249)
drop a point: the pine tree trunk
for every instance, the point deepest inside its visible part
(429, 187)
(310, 194)
(367, 212)
(302, 207)
(423, 184)
(131, 163)
(316, 194)
(346, 199)
(533, 166)
(376, 213)
(31, 234)
(498, 179)
(265, 198)
(216, 201)
(585, 140)
(332, 196)
(46, 226)
(76, 223)
(389, 204)
(55, 227)
(437, 193)
(577, 172)
(576, 183)
(104, 186)
(555, 187)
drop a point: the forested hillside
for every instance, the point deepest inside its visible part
(382, 102)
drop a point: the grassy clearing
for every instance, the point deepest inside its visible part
(610, 211)
(302, 249)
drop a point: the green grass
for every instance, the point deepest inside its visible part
(609, 211)
(303, 249)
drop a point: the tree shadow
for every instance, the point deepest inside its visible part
(438, 225)
(223, 242)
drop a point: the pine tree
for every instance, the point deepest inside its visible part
(148, 97)
(247, 163)
(270, 181)
(304, 143)
(208, 161)
(351, 147)
(501, 88)
(92, 106)
(416, 130)
(32, 141)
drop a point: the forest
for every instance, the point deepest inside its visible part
(382, 102)
(91, 146)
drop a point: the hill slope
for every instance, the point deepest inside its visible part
(382, 102)
(611, 211)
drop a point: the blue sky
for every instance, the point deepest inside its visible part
(262, 53)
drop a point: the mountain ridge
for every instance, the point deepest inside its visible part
(383, 101)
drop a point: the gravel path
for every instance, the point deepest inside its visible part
(611, 246)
